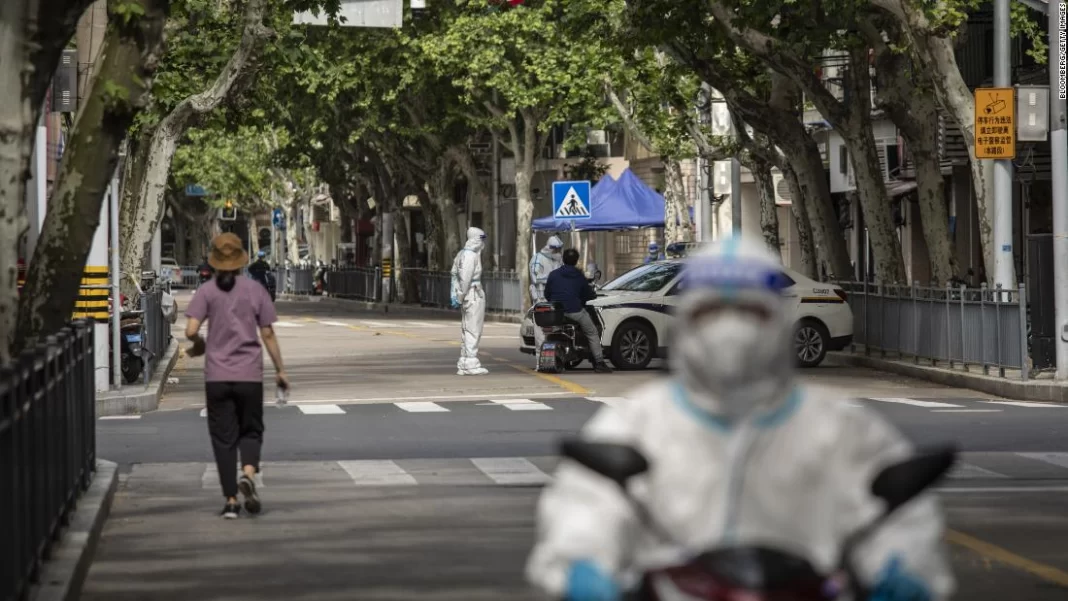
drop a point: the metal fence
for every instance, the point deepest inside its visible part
(958, 327)
(502, 290)
(190, 277)
(360, 283)
(294, 280)
(47, 449)
(156, 331)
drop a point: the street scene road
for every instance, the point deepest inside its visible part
(389, 477)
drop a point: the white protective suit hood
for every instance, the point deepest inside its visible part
(553, 247)
(733, 341)
(476, 239)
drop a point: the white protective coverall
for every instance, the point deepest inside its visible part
(739, 453)
(546, 261)
(467, 294)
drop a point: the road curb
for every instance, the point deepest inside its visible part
(399, 308)
(135, 398)
(1030, 390)
(64, 574)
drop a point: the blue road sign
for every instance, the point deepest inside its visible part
(195, 190)
(571, 200)
(279, 219)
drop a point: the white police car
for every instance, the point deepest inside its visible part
(635, 312)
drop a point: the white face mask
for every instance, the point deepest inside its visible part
(739, 360)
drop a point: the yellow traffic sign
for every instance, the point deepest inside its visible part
(995, 123)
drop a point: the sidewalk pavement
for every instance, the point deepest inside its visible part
(401, 308)
(138, 398)
(1011, 386)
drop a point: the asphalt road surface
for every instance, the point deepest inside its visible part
(388, 477)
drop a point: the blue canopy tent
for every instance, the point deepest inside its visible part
(623, 204)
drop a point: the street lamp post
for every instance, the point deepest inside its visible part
(1058, 138)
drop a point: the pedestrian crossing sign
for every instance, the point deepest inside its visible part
(571, 200)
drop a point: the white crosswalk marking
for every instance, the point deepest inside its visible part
(110, 417)
(1057, 459)
(1027, 404)
(916, 402)
(511, 470)
(522, 405)
(334, 323)
(320, 409)
(210, 478)
(204, 412)
(287, 324)
(426, 324)
(377, 473)
(611, 401)
(421, 407)
(376, 324)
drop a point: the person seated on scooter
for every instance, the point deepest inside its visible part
(740, 454)
(569, 287)
(259, 268)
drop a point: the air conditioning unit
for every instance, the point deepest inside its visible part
(596, 137)
(783, 197)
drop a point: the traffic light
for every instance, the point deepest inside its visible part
(228, 212)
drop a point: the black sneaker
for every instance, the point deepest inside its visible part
(602, 368)
(231, 511)
(248, 489)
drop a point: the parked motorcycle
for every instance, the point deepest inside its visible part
(131, 339)
(565, 346)
(319, 279)
(751, 572)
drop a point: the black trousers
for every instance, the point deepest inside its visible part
(235, 423)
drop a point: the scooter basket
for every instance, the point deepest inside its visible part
(548, 315)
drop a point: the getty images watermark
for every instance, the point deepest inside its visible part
(1062, 58)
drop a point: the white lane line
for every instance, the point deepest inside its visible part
(966, 471)
(1027, 404)
(611, 401)
(320, 409)
(442, 397)
(376, 324)
(111, 417)
(287, 324)
(377, 473)
(334, 323)
(967, 410)
(421, 407)
(511, 470)
(522, 405)
(1002, 489)
(916, 402)
(425, 324)
(204, 412)
(1057, 459)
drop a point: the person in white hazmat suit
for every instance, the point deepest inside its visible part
(740, 454)
(468, 296)
(544, 262)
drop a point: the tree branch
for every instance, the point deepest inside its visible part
(628, 119)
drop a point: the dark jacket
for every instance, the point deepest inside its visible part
(568, 285)
(258, 268)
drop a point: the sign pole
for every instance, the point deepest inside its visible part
(1004, 266)
(1059, 172)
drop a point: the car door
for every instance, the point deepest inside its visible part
(669, 302)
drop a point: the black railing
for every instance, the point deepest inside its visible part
(47, 449)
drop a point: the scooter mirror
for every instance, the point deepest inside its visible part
(899, 483)
(617, 462)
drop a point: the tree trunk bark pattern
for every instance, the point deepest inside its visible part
(408, 290)
(440, 184)
(675, 195)
(146, 193)
(17, 130)
(769, 214)
(524, 222)
(127, 62)
(435, 239)
(480, 194)
(798, 206)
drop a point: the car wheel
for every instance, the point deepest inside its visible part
(810, 343)
(633, 346)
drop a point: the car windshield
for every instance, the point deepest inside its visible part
(647, 278)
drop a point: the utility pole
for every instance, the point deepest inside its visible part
(1058, 138)
(736, 196)
(1004, 266)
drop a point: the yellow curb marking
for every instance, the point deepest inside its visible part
(987, 550)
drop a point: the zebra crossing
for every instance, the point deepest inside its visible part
(975, 472)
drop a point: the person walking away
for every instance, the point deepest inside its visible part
(569, 287)
(740, 454)
(235, 308)
(468, 296)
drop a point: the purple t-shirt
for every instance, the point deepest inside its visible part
(233, 352)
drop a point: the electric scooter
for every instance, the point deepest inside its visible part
(755, 573)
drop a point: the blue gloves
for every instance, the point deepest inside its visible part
(587, 582)
(897, 585)
(454, 302)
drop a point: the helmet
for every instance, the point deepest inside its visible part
(653, 247)
(732, 348)
(261, 254)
